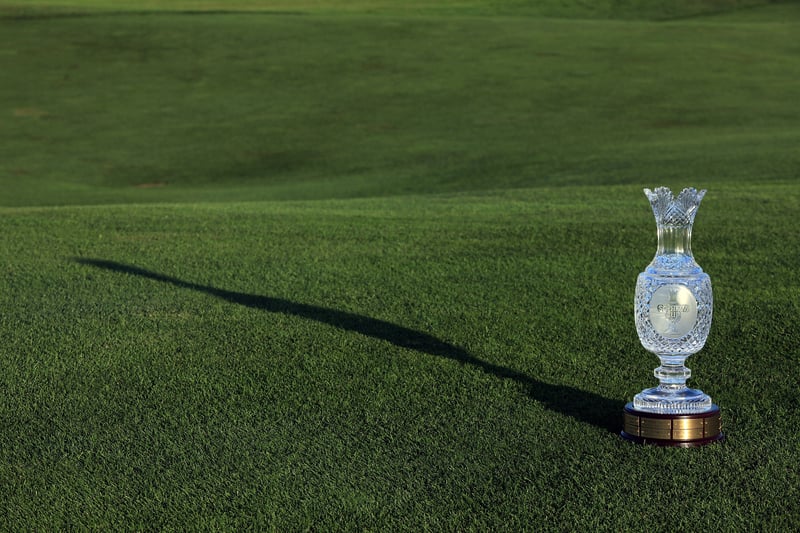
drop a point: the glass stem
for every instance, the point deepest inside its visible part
(672, 374)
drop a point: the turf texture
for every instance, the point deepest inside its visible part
(389, 287)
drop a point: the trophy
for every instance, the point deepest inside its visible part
(673, 306)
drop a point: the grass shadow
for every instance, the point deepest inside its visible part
(582, 405)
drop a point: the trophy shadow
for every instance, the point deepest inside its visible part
(585, 406)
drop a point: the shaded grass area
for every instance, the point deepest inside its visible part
(176, 107)
(438, 362)
(584, 406)
(604, 9)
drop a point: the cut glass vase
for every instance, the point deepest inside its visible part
(673, 305)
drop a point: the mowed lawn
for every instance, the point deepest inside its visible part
(149, 106)
(350, 270)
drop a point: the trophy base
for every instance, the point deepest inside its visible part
(667, 429)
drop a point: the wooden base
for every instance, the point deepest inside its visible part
(681, 430)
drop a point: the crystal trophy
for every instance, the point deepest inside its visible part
(673, 307)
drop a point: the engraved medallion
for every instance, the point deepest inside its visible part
(673, 311)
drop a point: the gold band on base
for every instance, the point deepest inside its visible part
(683, 430)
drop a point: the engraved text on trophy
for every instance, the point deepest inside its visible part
(673, 311)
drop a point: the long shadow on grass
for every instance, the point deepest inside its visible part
(582, 405)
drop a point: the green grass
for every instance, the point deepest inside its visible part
(386, 279)
(282, 106)
(599, 9)
(442, 362)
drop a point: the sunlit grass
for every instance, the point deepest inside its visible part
(354, 270)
